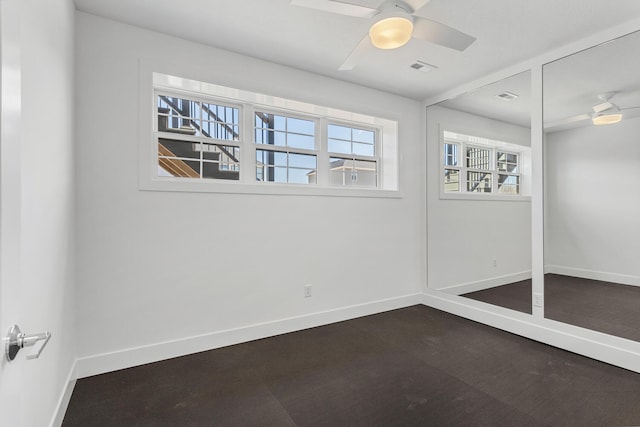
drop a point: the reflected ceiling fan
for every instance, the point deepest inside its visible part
(393, 24)
(604, 113)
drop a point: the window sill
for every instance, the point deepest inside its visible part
(484, 197)
(197, 186)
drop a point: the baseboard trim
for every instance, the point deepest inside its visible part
(480, 285)
(605, 348)
(622, 279)
(107, 362)
(65, 397)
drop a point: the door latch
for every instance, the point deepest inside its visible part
(16, 340)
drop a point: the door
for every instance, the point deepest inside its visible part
(12, 385)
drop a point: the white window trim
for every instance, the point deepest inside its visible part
(523, 152)
(150, 181)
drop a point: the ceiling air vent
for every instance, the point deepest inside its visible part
(507, 96)
(422, 66)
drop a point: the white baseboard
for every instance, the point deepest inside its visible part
(605, 348)
(622, 279)
(480, 285)
(107, 362)
(65, 397)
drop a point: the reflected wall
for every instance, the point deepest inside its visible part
(592, 198)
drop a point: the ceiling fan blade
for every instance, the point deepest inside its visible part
(356, 53)
(567, 121)
(435, 32)
(602, 107)
(338, 7)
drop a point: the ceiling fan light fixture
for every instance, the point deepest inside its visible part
(606, 119)
(391, 31)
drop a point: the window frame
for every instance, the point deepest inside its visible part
(494, 146)
(169, 84)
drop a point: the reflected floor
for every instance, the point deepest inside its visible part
(601, 306)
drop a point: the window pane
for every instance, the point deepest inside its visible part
(508, 184)
(451, 154)
(365, 136)
(339, 146)
(279, 122)
(178, 168)
(305, 127)
(271, 158)
(478, 158)
(275, 166)
(280, 175)
(178, 115)
(451, 180)
(353, 173)
(305, 142)
(177, 148)
(220, 162)
(478, 182)
(339, 132)
(220, 122)
(363, 149)
(507, 162)
(218, 130)
(302, 161)
(347, 140)
(301, 176)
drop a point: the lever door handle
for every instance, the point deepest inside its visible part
(17, 340)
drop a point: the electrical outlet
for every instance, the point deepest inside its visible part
(495, 262)
(307, 291)
(538, 300)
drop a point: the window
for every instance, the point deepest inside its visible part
(353, 159)
(473, 165)
(208, 137)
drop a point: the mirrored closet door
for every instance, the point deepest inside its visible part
(592, 188)
(479, 194)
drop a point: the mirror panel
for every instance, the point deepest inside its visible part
(479, 187)
(592, 193)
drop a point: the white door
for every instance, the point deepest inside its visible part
(12, 384)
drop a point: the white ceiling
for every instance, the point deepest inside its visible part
(507, 32)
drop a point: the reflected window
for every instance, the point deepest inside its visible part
(475, 165)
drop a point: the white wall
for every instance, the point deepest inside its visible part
(46, 288)
(464, 236)
(592, 228)
(160, 266)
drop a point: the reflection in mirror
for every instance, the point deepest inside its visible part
(592, 198)
(479, 188)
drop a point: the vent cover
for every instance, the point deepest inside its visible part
(507, 96)
(422, 66)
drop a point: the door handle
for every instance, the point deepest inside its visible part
(17, 340)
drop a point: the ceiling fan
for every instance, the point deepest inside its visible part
(604, 113)
(393, 24)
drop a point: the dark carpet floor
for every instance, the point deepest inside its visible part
(411, 367)
(601, 306)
